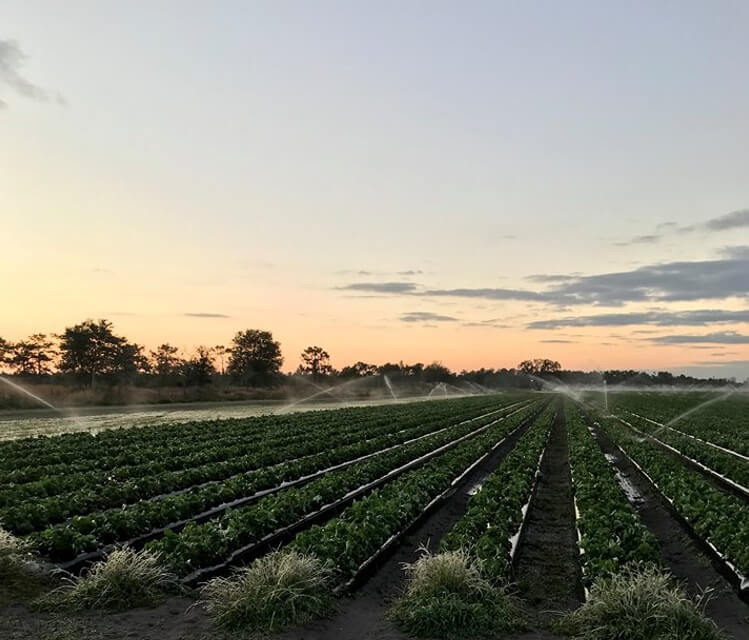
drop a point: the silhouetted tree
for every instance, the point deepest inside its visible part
(165, 363)
(315, 361)
(390, 369)
(540, 366)
(255, 358)
(5, 351)
(33, 356)
(199, 370)
(220, 352)
(437, 372)
(416, 370)
(129, 362)
(91, 349)
(358, 370)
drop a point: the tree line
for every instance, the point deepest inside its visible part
(91, 353)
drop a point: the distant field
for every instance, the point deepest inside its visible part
(25, 423)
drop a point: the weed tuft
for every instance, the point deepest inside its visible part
(447, 596)
(11, 551)
(280, 589)
(124, 580)
(640, 603)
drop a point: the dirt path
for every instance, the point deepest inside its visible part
(364, 616)
(546, 567)
(679, 551)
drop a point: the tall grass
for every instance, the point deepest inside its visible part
(278, 590)
(640, 603)
(13, 567)
(124, 580)
(11, 551)
(447, 596)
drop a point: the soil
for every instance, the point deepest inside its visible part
(680, 553)
(546, 566)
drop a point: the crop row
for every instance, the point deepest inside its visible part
(239, 476)
(83, 534)
(495, 514)
(611, 531)
(218, 485)
(717, 517)
(715, 417)
(236, 456)
(217, 462)
(72, 448)
(699, 439)
(242, 439)
(730, 466)
(349, 541)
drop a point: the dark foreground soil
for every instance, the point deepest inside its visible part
(546, 566)
(20, 621)
(679, 551)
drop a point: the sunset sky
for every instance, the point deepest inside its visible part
(470, 182)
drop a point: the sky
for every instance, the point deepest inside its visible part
(472, 183)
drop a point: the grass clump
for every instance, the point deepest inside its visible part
(280, 589)
(11, 551)
(124, 580)
(447, 596)
(640, 603)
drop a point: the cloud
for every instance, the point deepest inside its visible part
(486, 294)
(12, 59)
(203, 314)
(717, 337)
(697, 317)
(366, 272)
(735, 252)
(552, 277)
(425, 316)
(493, 323)
(666, 282)
(380, 287)
(557, 341)
(734, 220)
(735, 363)
(646, 239)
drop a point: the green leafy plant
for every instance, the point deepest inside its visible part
(611, 530)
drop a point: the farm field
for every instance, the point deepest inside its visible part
(549, 494)
(27, 423)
